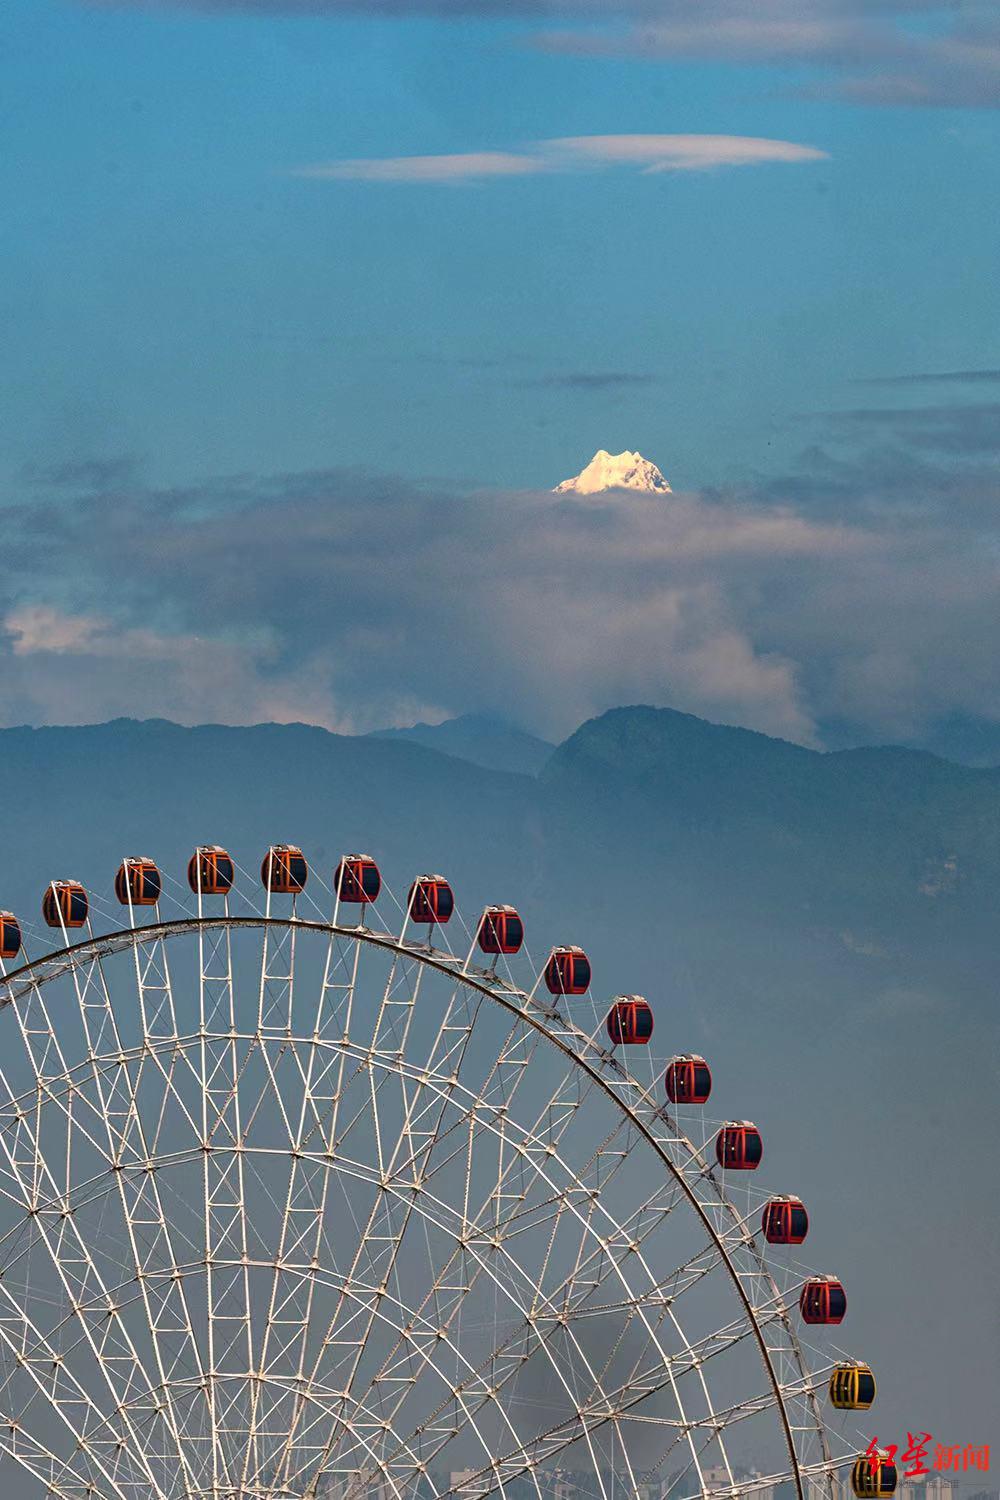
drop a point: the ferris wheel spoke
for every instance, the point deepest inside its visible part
(227, 1291)
(718, 1213)
(519, 1348)
(326, 1400)
(105, 1333)
(507, 1359)
(92, 1431)
(425, 1339)
(151, 1234)
(291, 1300)
(107, 1338)
(618, 1406)
(445, 1046)
(693, 1466)
(364, 1446)
(380, 1241)
(578, 1287)
(306, 1201)
(580, 1361)
(583, 1280)
(498, 1091)
(59, 1475)
(169, 1323)
(152, 977)
(406, 1457)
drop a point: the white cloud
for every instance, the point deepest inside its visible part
(862, 589)
(466, 166)
(681, 153)
(650, 153)
(68, 668)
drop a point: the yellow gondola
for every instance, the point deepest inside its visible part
(852, 1386)
(873, 1478)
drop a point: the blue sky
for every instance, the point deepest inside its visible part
(205, 275)
(174, 292)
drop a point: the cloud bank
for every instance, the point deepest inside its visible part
(598, 381)
(863, 587)
(891, 52)
(649, 153)
(937, 377)
(906, 53)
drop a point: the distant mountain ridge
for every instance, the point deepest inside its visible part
(970, 739)
(484, 739)
(889, 841)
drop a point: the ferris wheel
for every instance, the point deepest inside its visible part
(309, 1192)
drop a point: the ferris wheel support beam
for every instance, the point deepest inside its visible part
(539, 1326)
(170, 1319)
(57, 1474)
(417, 1137)
(47, 1371)
(509, 1356)
(138, 1193)
(309, 1181)
(662, 1371)
(556, 1120)
(443, 1318)
(107, 1338)
(222, 1179)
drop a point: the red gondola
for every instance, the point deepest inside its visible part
(357, 879)
(210, 871)
(630, 1021)
(431, 899)
(688, 1079)
(822, 1300)
(10, 935)
(284, 870)
(138, 879)
(500, 930)
(567, 972)
(65, 904)
(738, 1146)
(785, 1221)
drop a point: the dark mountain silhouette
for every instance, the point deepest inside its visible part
(896, 840)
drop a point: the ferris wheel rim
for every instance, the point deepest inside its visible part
(526, 1007)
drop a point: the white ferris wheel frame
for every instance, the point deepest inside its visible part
(689, 1176)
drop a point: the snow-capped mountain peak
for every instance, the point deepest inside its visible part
(615, 471)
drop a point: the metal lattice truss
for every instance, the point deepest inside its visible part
(294, 1208)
